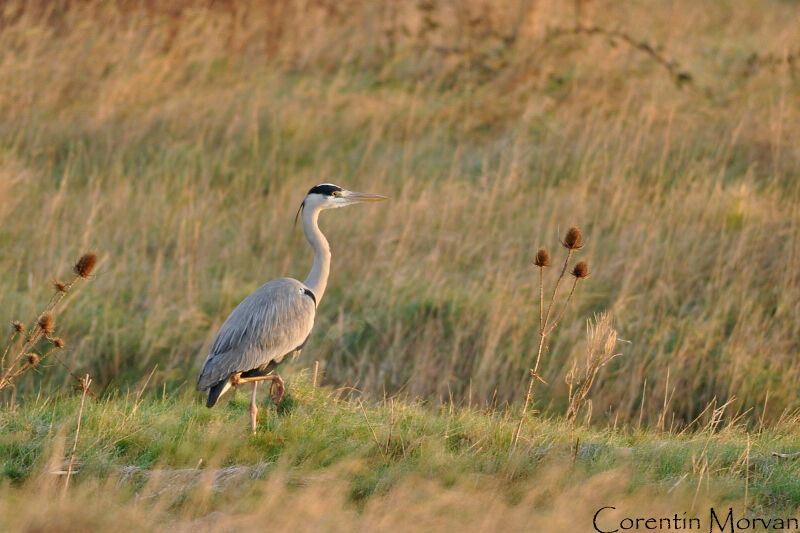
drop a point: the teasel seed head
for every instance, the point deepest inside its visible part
(58, 343)
(60, 286)
(542, 258)
(18, 326)
(47, 323)
(581, 270)
(33, 359)
(85, 265)
(572, 240)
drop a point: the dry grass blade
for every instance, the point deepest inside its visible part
(87, 381)
(391, 427)
(601, 343)
(141, 390)
(372, 430)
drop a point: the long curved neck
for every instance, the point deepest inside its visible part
(317, 279)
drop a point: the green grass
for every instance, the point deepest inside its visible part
(177, 459)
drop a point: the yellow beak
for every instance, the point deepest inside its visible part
(364, 197)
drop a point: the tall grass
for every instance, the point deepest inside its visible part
(179, 141)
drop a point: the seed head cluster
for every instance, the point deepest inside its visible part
(85, 265)
(572, 240)
(58, 343)
(33, 359)
(18, 326)
(542, 258)
(60, 286)
(47, 323)
(581, 270)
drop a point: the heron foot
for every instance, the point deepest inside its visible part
(277, 389)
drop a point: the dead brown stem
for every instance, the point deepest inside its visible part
(86, 382)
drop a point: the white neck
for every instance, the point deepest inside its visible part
(317, 279)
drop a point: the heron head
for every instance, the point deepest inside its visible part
(329, 196)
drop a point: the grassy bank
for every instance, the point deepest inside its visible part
(326, 461)
(176, 140)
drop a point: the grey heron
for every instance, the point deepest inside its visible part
(275, 320)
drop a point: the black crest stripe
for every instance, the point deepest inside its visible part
(326, 189)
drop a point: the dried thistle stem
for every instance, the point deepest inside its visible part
(541, 299)
(11, 341)
(563, 309)
(43, 326)
(542, 334)
(572, 242)
(77, 378)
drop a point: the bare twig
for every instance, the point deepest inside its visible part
(80, 380)
(785, 455)
(679, 75)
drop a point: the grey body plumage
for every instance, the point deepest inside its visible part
(270, 324)
(275, 320)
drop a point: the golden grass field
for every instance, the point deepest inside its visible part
(176, 140)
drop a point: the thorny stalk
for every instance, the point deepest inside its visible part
(43, 327)
(572, 242)
(81, 382)
(541, 299)
(17, 333)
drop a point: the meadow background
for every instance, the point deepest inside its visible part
(177, 141)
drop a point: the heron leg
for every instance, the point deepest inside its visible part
(277, 384)
(253, 408)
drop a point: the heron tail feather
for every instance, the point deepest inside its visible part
(216, 391)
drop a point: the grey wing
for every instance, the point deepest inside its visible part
(273, 321)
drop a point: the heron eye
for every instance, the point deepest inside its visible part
(336, 193)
